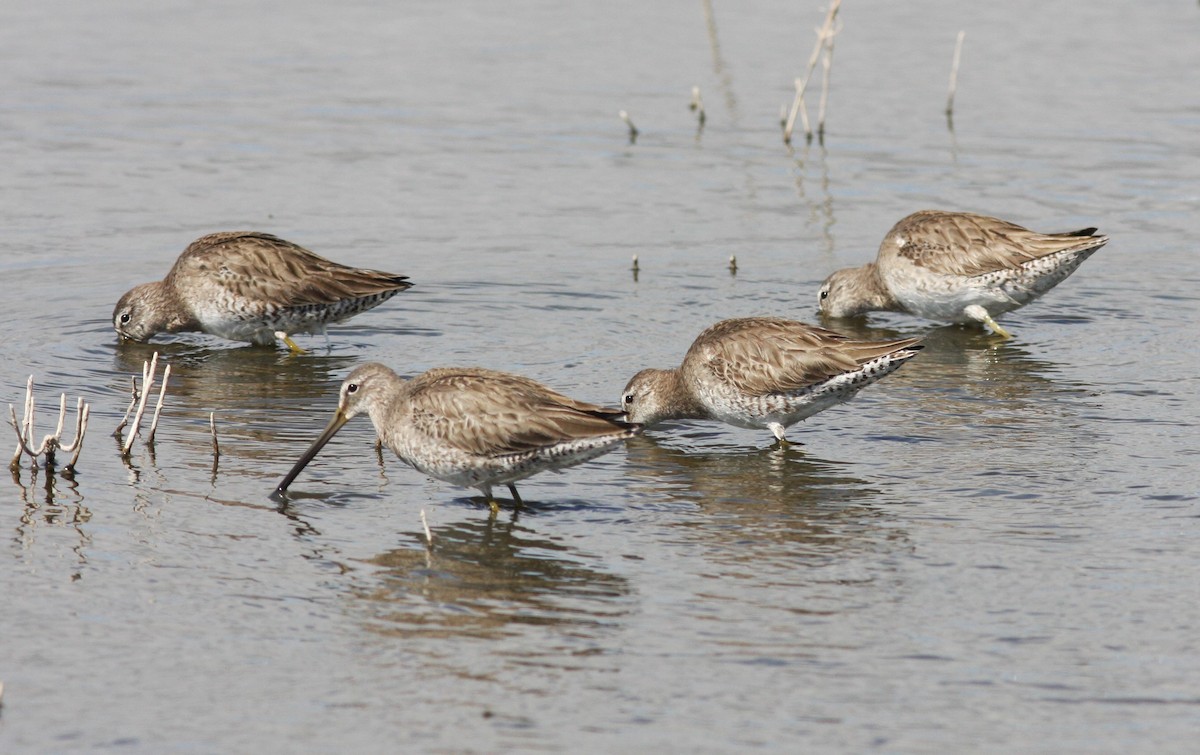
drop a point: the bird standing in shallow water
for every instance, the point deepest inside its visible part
(473, 427)
(763, 372)
(255, 287)
(958, 267)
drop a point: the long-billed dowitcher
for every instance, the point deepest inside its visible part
(762, 372)
(473, 427)
(958, 267)
(249, 286)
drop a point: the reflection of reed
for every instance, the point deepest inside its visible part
(820, 212)
(489, 578)
(45, 505)
(777, 502)
(719, 67)
(256, 394)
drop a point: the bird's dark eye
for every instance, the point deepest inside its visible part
(352, 388)
(124, 318)
(825, 294)
(628, 398)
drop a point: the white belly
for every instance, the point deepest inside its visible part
(946, 297)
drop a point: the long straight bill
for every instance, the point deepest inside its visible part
(331, 429)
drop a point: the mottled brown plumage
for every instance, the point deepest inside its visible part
(957, 267)
(473, 427)
(962, 243)
(250, 286)
(762, 372)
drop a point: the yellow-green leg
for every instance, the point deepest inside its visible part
(995, 326)
(979, 313)
(778, 430)
(292, 345)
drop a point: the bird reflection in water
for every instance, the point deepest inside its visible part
(980, 414)
(967, 380)
(754, 506)
(490, 578)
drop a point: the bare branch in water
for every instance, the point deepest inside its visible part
(958, 45)
(212, 426)
(52, 443)
(633, 132)
(823, 34)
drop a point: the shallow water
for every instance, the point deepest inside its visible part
(993, 549)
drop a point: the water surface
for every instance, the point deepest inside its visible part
(993, 549)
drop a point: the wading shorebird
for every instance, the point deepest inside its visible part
(255, 287)
(762, 372)
(958, 267)
(473, 427)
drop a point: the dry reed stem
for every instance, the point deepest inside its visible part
(84, 411)
(162, 392)
(52, 443)
(633, 132)
(428, 534)
(133, 399)
(212, 426)
(148, 370)
(802, 84)
(22, 428)
(22, 443)
(827, 61)
(804, 124)
(958, 45)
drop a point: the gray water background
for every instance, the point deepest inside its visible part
(995, 549)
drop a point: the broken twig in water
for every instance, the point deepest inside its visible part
(52, 443)
(826, 32)
(162, 392)
(633, 132)
(827, 61)
(133, 399)
(428, 534)
(212, 426)
(958, 45)
(140, 398)
(697, 106)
